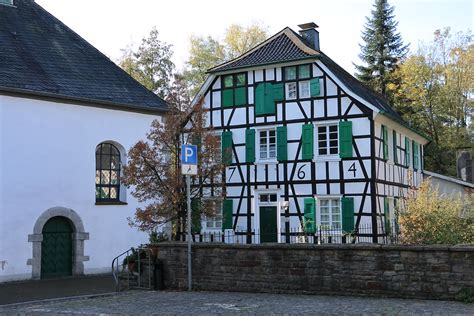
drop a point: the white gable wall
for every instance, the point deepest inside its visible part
(48, 160)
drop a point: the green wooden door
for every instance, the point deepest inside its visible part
(56, 248)
(268, 224)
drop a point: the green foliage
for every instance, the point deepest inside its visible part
(433, 218)
(206, 52)
(465, 295)
(151, 64)
(434, 94)
(383, 48)
(156, 237)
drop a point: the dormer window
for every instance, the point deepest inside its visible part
(6, 2)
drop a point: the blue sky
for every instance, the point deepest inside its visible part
(111, 25)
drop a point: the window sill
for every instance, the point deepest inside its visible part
(328, 158)
(111, 203)
(266, 162)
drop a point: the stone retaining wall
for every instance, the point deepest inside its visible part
(436, 272)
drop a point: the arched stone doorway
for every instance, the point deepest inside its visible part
(46, 224)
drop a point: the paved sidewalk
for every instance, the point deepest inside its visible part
(32, 290)
(224, 303)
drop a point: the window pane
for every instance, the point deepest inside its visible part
(333, 151)
(105, 177)
(323, 151)
(333, 143)
(304, 71)
(240, 80)
(324, 203)
(97, 177)
(322, 129)
(228, 81)
(115, 162)
(304, 89)
(113, 193)
(273, 197)
(333, 128)
(104, 193)
(105, 159)
(114, 177)
(263, 197)
(97, 193)
(290, 73)
(291, 90)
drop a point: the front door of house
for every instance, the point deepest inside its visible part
(268, 224)
(56, 248)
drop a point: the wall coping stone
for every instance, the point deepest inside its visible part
(360, 246)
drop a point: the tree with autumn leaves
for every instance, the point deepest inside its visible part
(153, 169)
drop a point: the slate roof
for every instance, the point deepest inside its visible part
(277, 49)
(287, 46)
(40, 55)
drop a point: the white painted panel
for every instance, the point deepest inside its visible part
(302, 189)
(306, 105)
(363, 145)
(270, 119)
(293, 111)
(294, 131)
(227, 116)
(360, 126)
(216, 118)
(207, 101)
(345, 102)
(238, 135)
(354, 188)
(292, 149)
(250, 95)
(303, 171)
(335, 188)
(250, 77)
(333, 170)
(279, 111)
(234, 191)
(332, 107)
(352, 165)
(319, 108)
(320, 170)
(258, 75)
(331, 87)
(239, 116)
(321, 189)
(216, 99)
(269, 74)
(260, 172)
(240, 153)
(278, 74)
(251, 114)
(355, 110)
(272, 172)
(217, 84)
(259, 119)
(317, 71)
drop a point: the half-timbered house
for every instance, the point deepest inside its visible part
(306, 145)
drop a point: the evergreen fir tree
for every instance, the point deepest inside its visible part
(383, 49)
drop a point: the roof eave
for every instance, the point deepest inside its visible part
(91, 102)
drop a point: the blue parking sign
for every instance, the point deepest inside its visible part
(189, 154)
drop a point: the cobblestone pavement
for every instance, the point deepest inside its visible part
(224, 303)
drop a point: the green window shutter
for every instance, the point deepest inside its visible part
(282, 145)
(421, 156)
(386, 214)
(226, 142)
(345, 139)
(240, 96)
(385, 142)
(309, 215)
(347, 204)
(259, 99)
(307, 137)
(407, 152)
(269, 99)
(227, 211)
(415, 155)
(196, 216)
(304, 71)
(278, 91)
(250, 145)
(394, 136)
(314, 87)
(227, 97)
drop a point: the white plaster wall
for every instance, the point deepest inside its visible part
(48, 159)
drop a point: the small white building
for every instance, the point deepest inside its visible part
(67, 117)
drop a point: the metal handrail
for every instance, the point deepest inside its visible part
(116, 272)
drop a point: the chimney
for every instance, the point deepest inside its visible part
(310, 35)
(465, 166)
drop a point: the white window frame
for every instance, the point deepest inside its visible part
(318, 207)
(287, 90)
(300, 87)
(257, 149)
(214, 219)
(328, 156)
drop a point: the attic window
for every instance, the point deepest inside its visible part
(6, 2)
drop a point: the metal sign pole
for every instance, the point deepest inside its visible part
(188, 189)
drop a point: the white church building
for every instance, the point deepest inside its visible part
(67, 117)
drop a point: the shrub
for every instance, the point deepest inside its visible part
(433, 218)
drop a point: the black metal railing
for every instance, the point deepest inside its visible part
(363, 233)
